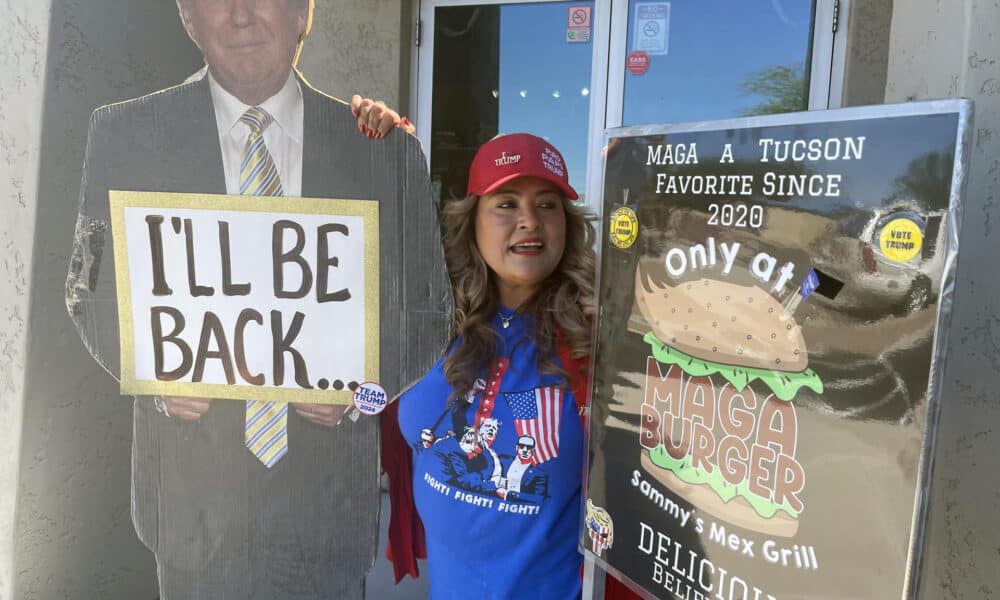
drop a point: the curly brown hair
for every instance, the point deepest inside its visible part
(564, 302)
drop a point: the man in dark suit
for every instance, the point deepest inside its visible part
(220, 522)
(525, 481)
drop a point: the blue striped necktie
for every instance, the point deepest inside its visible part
(266, 432)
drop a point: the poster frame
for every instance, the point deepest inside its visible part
(964, 109)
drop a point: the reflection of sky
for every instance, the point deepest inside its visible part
(545, 80)
(712, 46)
(890, 146)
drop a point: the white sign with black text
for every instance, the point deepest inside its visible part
(246, 298)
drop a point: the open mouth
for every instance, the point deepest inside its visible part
(530, 247)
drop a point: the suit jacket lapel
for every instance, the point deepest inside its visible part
(190, 132)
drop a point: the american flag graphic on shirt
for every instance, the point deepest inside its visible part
(537, 413)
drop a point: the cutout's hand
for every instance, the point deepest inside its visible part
(189, 409)
(375, 119)
(327, 415)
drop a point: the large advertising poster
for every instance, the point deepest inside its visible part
(774, 295)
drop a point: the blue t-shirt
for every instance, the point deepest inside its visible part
(499, 496)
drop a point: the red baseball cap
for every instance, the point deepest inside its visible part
(507, 157)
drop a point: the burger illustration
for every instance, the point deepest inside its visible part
(718, 423)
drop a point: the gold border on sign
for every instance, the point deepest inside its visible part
(368, 210)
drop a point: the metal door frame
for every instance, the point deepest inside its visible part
(422, 74)
(607, 79)
(826, 73)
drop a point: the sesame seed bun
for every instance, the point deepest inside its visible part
(723, 322)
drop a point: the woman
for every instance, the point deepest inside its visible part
(493, 433)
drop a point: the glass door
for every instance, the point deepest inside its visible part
(547, 68)
(673, 61)
(491, 68)
(695, 60)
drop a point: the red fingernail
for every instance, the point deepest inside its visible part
(361, 128)
(405, 121)
(371, 135)
(378, 135)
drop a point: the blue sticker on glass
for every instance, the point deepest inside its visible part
(809, 284)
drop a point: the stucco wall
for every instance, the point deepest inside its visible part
(24, 30)
(948, 48)
(74, 536)
(867, 54)
(355, 47)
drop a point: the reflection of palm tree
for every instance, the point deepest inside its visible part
(927, 180)
(782, 86)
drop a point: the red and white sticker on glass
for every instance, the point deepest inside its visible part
(578, 23)
(637, 62)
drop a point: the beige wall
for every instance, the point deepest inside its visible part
(867, 54)
(73, 536)
(24, 30)
(951, 48)
(354, 48)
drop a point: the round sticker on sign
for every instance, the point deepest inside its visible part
(370, 398)
(901, 239)
(637, 62)
(624, 228)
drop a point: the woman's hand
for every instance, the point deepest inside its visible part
(375, 119)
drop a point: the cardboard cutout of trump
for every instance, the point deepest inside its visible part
(244, 262)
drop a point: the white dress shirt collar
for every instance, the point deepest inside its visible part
(283, 138)
(285, 107)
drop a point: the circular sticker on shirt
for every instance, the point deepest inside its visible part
(624, 227)
(901, 239)
(370, 398)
